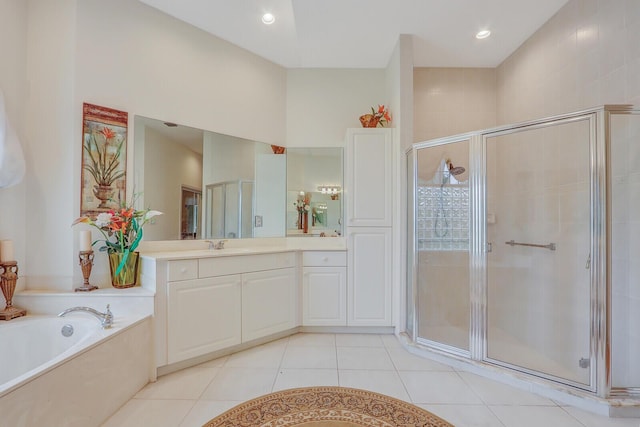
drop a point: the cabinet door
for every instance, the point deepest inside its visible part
(324, 294)
(203, 316)
(369, 277)
(268, 302)
(369, 182)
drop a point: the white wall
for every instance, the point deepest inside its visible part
(125, 55)
(168, 166)
(54, 137)
(13, 83)
(323, 103)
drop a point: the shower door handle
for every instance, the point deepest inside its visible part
(489, 247)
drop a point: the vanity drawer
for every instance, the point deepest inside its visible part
(182, 269)
(324, 258)
(220, 266)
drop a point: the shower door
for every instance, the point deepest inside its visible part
(441, 245)
(538, 231)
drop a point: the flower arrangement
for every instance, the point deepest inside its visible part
(121, 229)
(104, 157)
(303, 204)
(372, 120)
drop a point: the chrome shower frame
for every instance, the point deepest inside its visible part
(600, 385)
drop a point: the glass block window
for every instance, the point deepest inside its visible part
(443, 218)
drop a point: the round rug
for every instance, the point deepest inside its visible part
(325, 407)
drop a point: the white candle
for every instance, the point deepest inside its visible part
(84, 240)
(6, 251)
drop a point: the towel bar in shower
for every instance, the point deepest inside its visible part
(550, 246)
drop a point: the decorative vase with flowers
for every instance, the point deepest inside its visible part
(376, 118)
(122, 232)
(303, 205)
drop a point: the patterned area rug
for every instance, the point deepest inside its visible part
(325, 407)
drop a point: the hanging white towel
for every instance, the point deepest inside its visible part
(12, 165)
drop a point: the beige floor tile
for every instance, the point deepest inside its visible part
(533, 416)
(310, 358)
(592, 420)
(431, 387)
(205, 410)
(465, 415)
(264, 356)
(240, 384)
(312, 339)
(293, 378)
(156, 413)
(384, 382)
(405, 361)
(496, 393)
(364, 358)
(185, 384)
(358, 340)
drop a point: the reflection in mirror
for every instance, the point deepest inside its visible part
(239, 186)
(171, 157)
(166, 160)
(190, 213)
(314, 191)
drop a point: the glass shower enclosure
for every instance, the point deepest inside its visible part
(521, 249)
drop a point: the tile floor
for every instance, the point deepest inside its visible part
(193, 396)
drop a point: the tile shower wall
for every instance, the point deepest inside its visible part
(449, 101)
(588, 54)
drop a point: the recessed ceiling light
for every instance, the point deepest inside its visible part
(268, 18)
(483, 34)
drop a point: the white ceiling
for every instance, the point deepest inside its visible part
(363, 33)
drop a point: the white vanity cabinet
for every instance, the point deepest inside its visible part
(268, 302)
(369, 198)
(217, 302)
(324, 288)
(204, 316)
(369, 177)
(370, 280)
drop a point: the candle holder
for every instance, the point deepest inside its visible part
(86, 263)
(8, 279)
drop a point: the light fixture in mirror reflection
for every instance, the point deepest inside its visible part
(308, 172)
(333, 190)
(244, 186)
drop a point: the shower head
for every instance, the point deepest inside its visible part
(455, 170)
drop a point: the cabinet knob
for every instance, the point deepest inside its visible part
(183, 270)
(325, 259)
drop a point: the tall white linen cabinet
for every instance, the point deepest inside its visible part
(369, 201)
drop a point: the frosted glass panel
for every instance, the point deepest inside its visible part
(538, 193)
(625, 250)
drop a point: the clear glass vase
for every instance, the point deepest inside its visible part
(128, 275)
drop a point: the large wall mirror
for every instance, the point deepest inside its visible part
(210, 185)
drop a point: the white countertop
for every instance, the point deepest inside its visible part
(238, 247)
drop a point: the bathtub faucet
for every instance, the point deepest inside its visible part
(106, 318)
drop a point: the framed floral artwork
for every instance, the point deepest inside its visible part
(104, 159)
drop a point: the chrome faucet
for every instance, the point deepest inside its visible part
(106, 318)
(216, 245)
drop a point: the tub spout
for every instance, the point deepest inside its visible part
(106, 318)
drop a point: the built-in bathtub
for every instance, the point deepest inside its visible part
(80, 380)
